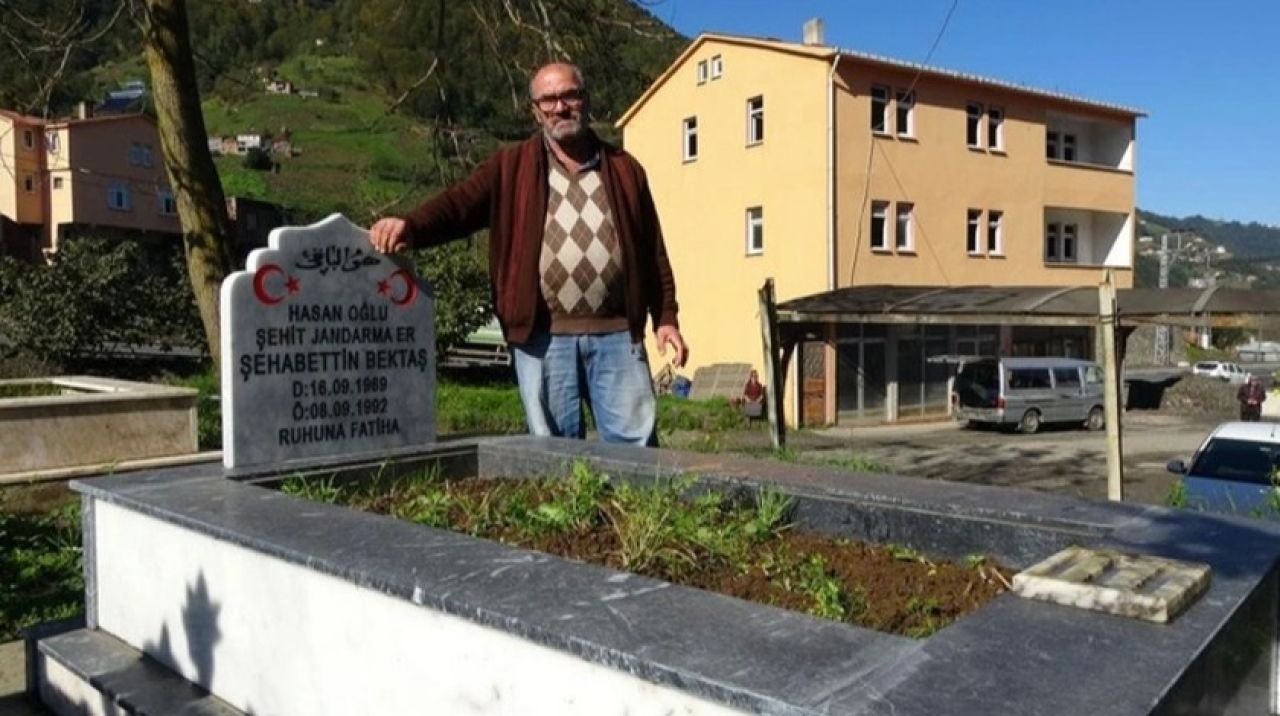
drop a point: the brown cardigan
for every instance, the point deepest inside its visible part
(508, 194)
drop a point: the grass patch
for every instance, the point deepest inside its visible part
(852, 462)
(208, 407)
(29, 390)
(41, 573)
(493, 409)
(671, 530)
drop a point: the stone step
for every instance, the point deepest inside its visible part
(91, 672)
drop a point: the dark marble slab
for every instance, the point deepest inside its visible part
(1013, 656)
(128, 680)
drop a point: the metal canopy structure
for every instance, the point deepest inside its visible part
(785, 325)
(1027, 305)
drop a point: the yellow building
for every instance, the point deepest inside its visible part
(824, 168)
(88, 176)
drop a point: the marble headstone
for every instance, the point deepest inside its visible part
(328, 348)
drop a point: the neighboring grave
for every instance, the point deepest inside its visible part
(328, 348)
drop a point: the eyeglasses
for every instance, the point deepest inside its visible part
(572, 99)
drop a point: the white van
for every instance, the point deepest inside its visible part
(1028, 392)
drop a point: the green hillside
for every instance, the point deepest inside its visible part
(352, 156)
(1245, 240)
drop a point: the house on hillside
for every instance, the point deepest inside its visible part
(81, 176)
(826, 168)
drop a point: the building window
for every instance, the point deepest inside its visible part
(702, 71)
(1060, 243)
(29, 183)
(975, 227)
(1051, 249)
(140, 155)
(755, 120)
(717, 67)
(995, 232)
(879, 225)
(118, 196)
(1060, 146)
(165, 203)
(879, 109)
(973, 125)
(690, 139)
(903, 240)
(995, 128)
(755, 231)
(57, 182)
(906, 104)
(51, 142)
(1069, 243)
(28, 139)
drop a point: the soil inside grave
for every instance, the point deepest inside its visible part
(887, 588)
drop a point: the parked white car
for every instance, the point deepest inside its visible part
(1234, 470)
(1223, 370)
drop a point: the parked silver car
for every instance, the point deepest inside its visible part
(1028, 392)
(1223, 370)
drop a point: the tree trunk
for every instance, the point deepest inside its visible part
(202, 208)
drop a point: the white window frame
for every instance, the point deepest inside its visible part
(1051, 144)
(701, 72)
(57, 182)
(755, 231)
(717, 67)
(166, 204)
(755, 120)
(140, 155)
(973, 233)
(995, 129)
(1070, 146)
(118, 196)
(974, 112)
(689, 139)
(879, 211)
(904, 240)
(880, 95)
(1070, 232)
(1052, 243)
(995, 232)
(904, 101)
(52, 143)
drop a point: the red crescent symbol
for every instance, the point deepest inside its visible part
(411, 288)
(260, 284)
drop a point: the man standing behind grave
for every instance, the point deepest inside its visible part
(576, 261)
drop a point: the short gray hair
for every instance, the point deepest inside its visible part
(573, 69)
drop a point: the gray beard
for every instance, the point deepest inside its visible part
(567, 130)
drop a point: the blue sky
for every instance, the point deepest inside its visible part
(1207, 73)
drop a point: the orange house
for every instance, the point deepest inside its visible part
(84, 176)
(826, 168)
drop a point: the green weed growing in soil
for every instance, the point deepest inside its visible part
(670, 529)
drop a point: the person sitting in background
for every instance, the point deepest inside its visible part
(1251, 395)
(753, 396)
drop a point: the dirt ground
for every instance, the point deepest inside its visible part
(1065, 460)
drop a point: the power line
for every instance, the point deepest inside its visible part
(866, 186)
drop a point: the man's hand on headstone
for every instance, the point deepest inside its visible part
(671, 335)
(388, 235)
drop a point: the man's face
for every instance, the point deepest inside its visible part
(559, 103)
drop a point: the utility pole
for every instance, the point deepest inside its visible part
(1162, 331)
(1111, 385)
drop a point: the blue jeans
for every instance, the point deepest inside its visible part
(557, 372)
